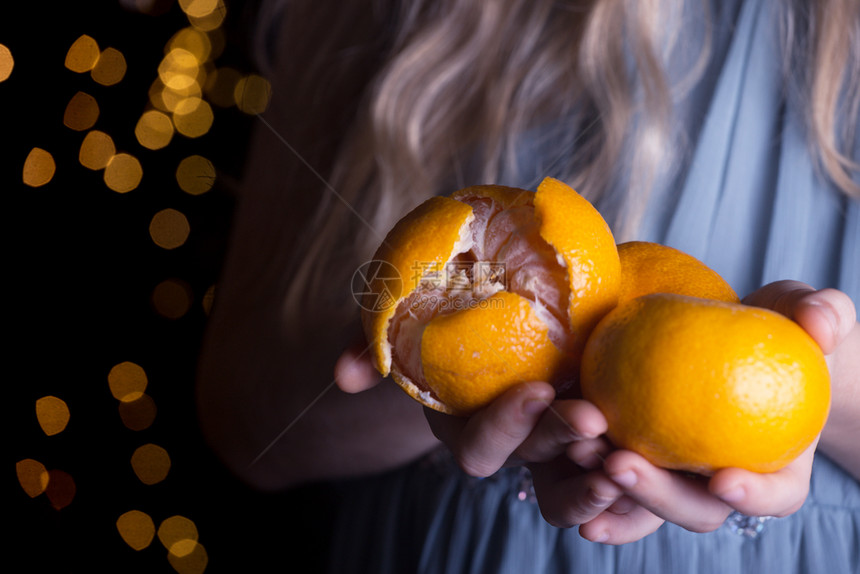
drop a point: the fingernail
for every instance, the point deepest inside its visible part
(627, 479)
(735, 494)
(602, 537)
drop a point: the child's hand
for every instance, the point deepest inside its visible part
(526, 427)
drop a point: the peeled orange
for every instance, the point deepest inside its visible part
(698, 385)
(497, 286)
(648, 267)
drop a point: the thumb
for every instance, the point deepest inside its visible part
(827, 315)
(354, 371)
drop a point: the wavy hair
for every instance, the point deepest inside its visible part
(390, 102)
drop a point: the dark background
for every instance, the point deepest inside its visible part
(81, 271)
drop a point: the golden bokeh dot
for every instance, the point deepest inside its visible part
(110, 68)
(193, 117)
(204, 19)
(136, 528)
(32, 475)
(175, 530)
(192, 40)
(83, 55)
(53, 415)
(179, 69)
(172, 298)
(252, 94)
(198, 8)
(60, 489)
(195, 175)
(150, 463)
(127, 381)
(221, 86)
(154, 129)
(123, 173)
(169, 228)
(96, 150)
(7, 62)
(193, 561)
(81, 112)
(39, 167)
(208, 299)
(139, 414)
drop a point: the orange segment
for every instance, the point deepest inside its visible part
(430, 235)
(473, 356)
(648, 267)
(585, 245)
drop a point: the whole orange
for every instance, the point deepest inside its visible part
(698, 385)
(648, 267)
(498, 286)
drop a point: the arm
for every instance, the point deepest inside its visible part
(266, 399)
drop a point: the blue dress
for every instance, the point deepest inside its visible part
(750, 203)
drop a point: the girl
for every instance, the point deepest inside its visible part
(725, 129)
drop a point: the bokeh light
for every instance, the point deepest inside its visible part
(32, 476)
(193, 562)
(96, 150)
(169, 228)
(174, 532)
(123, 173)
(252, 94)
(208, 299)
(136, 528)
(150, 463)
(179, 69)
(198, 8)
(60, 489)
(154, 129)
(7, 62)
(172, 298)
(193, 117)
(53, 415)
(193, 41)
(39, 167)
(110, 68)
(195, 175)
(127, 381)
(81, 113)
(82, 55)
(138, 414)
(205, 15)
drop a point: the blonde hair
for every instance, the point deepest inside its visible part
(398, 101)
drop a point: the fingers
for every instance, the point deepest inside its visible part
(672, 496)
(567, 498)
(774, 494)
(484, 442)
(827, 315)
(623, 522)
(562, 424)
(354, 372)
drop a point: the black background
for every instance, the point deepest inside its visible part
(80, 274)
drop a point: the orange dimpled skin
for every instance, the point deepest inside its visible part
(583, 239)
(473, 356)
(698, 385)
(648, 267)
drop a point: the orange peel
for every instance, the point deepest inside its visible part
(458, 331)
